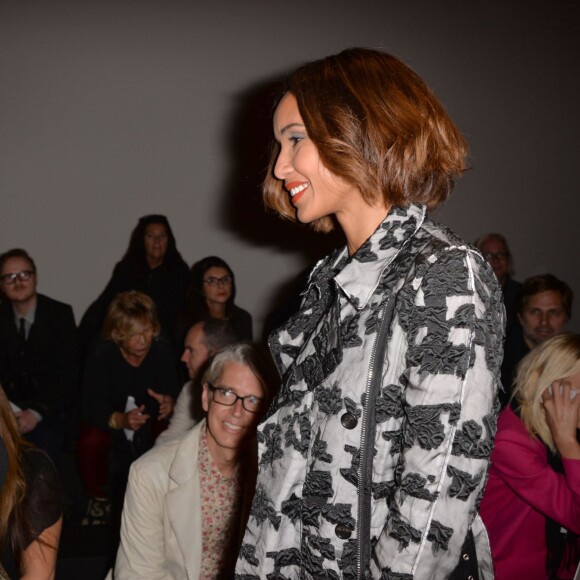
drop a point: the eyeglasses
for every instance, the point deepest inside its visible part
(223, 281)
(498, 256)
(9, 279)
(146, 333)
(226, 396)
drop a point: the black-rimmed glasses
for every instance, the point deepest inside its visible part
(11, 278)
(215, 281)
(226, 396)
(497, 256)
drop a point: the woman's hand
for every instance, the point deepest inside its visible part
(134, 419)
(165, 404)
(26, 420)
(562, 406)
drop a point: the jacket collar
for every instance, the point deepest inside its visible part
(184, 465)
(362, 273)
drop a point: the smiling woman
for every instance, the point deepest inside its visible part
(367, 461)
(188, 500)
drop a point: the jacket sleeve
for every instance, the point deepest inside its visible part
(56, 368)
(450, 326)
(141, 550)
(98, 392)
(66, 364)
(520, 462)
(167, 377)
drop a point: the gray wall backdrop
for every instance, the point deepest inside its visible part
(110, 110)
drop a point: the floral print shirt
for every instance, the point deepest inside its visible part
(220, 501)
(318, 508)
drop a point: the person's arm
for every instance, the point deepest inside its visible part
(167, 377)
(453, 326)
(44, 504)
(39, 559)
(60, 388)
(141, 550)
(98, 390)
(243, 326)
(522, 464)
(181, 420)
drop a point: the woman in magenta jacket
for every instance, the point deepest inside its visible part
(531, 506)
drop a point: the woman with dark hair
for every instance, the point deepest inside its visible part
(31, 505)
(211, 294)
(531, 505)
(374, 454)
(152, 265)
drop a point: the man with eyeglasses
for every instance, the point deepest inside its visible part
(188, 500)
(495, 250)
(39, 358)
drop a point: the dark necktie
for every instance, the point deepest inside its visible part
(22, 330)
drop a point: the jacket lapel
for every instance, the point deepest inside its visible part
(357, 277)
(37, 328)
(183, 502)
(363, 272)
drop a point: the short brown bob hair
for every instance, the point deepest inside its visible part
(376, 125)
(128, 314)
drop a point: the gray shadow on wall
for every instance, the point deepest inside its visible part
(249, 143)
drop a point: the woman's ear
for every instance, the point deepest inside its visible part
(205, 398)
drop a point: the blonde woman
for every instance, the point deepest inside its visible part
(129, 384)
(531, 506)
(31, 505)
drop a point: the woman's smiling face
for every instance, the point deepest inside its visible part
(228, 427)
(315, 191)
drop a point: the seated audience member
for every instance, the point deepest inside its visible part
(211, 294)
(544, 305)
(39, 358)
(152, 265)
(496, 251)
(31, 504)
(202, 342)
(130, 382)
(187, 501)
(531, 505)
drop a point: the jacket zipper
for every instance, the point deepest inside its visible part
(366, 454)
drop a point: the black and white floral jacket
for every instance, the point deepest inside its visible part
(385, 485)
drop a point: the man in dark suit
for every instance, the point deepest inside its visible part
(39, 357)
(495, 250)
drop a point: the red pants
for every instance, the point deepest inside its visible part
(93, 459)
